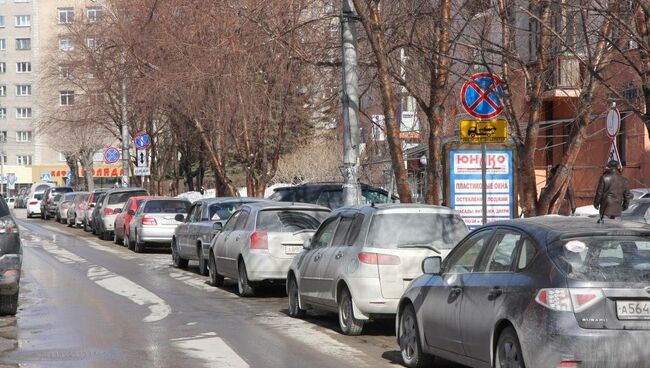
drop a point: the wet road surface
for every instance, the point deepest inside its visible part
(89, 303)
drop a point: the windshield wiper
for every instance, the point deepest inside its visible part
(425, 246)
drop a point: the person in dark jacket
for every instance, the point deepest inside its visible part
(612, 195)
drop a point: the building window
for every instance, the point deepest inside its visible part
(3, 112)
(3, 136)
(66, 98)
(92, 42)
(2, 21)
(65, 44)
(94, 13)
(23, 67)
(23, 20)
(23, 90)
(3, 91)
(23, 112)
(66, 15)
(23, 43)
(64, 71)
(24, 159)
(3, 67)
(3, 44)
(23, 136)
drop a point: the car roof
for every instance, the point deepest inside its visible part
(242, 200)
(387, 207)
(326, 185)
(124, 190)
(152, 198)
(270, 205)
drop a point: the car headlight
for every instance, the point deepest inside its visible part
(8, 226)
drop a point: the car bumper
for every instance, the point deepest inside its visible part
(366, 293)
(261, 266)
(156, 234)
(109, 222)
(34, 209)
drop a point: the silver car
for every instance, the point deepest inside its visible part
(113, 200)
(77, 209)
(362, 259)
(192, 238)
(63, 205)
(155, 222)
(260, 240)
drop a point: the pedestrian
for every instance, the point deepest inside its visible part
(568, 205)
(612, 196)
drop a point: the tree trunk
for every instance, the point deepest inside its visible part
(643, 28)
(87, 165)
(227, 185)
(434, 162)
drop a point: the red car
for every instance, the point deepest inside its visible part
(124, 218)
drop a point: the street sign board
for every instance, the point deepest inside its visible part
(141, 171)
(11, 181)
(111, 155)
(483, 131)
(613, 122)
(467, 187)
(46, 177)
(141, 158)
(142, 141)
(481, 95)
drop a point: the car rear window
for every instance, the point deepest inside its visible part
(287, 220)
(38, 196)
(395, 230)
(603, 258)
(69, 197)
(122, 197)
(166, 206)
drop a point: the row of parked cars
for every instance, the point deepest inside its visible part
(549, 291)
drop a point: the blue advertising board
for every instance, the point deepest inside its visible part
(466, 185)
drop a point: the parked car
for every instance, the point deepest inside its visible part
(361, 259)
(124, 217)
(191, 241)
(34, 204)
(259, 241)
(155, 222)
(540, 292)
(90, 208)
(11, 202)
(48, 204)
(11, 257)
(64, 203)
(114, 199)
(76, 209)
(328, 194)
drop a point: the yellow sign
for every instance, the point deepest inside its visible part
(483, 131)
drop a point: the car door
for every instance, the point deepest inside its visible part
(333, 260)
(442, 305)
(483, 293)
(312, 257)
(237, 240)
(193, 229)
(220, 244)
(184, 232)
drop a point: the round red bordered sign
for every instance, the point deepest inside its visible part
(481, 95)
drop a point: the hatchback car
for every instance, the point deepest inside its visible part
(77, 209)
(361, 260)
(123, 220)
(11, 257)
(192, 238)
(155, 221)
(114, 199)
(541, 292)
(48, 205)
(259, 241)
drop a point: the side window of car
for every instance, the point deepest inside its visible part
(503, 252)
(526, 254)
(342, 231)
(127, 206)
(196, 213)
(465, 259)
(324, 235)
(242, 220)
(230, 225)
(355, 229)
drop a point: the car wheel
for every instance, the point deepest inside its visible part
(203, 263)
(508, 354)
(349, 325)
(409, 340)
(177, 260)
(139, 246)
(116, 239)
(294, 300)
(106, 235)
(29, 215)
(9, 304)
(214, 278)
(129, 242)
(243, 285)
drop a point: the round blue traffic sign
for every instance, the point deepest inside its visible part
(142, 140)
(481, 95)
(111, 155)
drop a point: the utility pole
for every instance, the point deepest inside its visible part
(350, 102)
(126, 157)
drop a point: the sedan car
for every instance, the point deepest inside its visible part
(361, 260)
(77, 209)
(123, 219)
(541, 292)
(114, 199)
(155, 221)
(64, 203)
(90, 208)
(11, 257)
(49, 205)
(260, 240)
(192, 238)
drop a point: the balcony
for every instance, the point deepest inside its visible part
(566, 80)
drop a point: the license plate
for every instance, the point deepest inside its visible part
(292, 249)
(170, 222)
(633, 309)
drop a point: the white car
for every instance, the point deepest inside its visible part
(33, 204)
(11, 202)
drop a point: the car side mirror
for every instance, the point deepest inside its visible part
(179, 217)
(432, 266)
(117, 210)
(307, 244)
(217, 227)
(131, 212)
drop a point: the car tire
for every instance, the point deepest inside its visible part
(409, 340)
(349, 325)
(177, 260)
(29, 215)
(9, 304)
(116, 239)
(203, 263)
(138, 246)
(294, 299)
(508, 352)
(214, 278)
(244, 287)
(129, 242)
(106, 235)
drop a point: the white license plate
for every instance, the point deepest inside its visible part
(292, 249)
(633, 309)
(169, 222)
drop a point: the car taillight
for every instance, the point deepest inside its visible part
(149, 221)
(378, 259)
(259, 240)
(109, 211)
(569, 300)
(8, 226)
(568, 364)
(33, 202)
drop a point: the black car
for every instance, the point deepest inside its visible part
(11, 257)
(550, 291)
(48, 206)
(328, 194)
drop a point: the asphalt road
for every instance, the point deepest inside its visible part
(89, 303)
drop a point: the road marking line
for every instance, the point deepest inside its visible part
(213, 350)
(63, 255)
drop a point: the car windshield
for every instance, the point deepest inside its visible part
(121, 197)
(166, 206)
(373, 196)
(222, 211)
(57, 198)
(287, 220)
(603, 258)
(395, 230)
